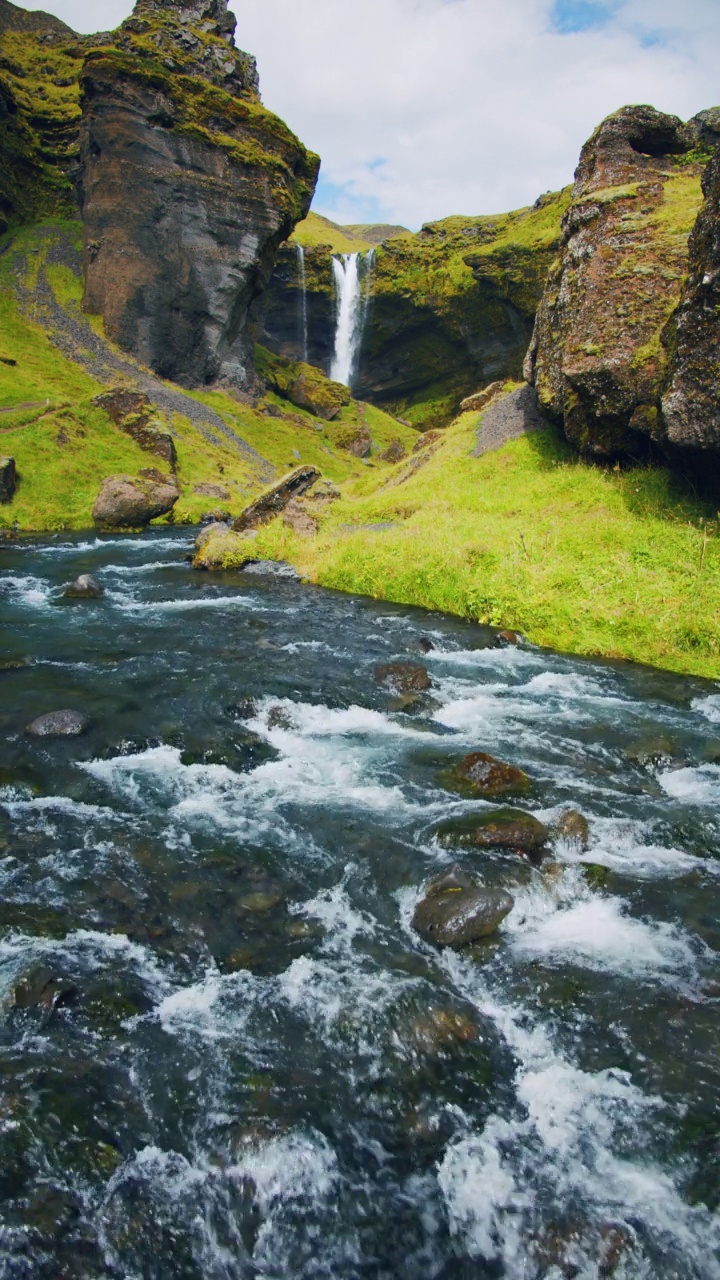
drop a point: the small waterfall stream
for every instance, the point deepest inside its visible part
(303, 300)
(352, 277)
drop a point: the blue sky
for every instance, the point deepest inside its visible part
(422, 108)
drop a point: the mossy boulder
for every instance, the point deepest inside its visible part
(131, 502)
(302, 384)
(600, 356)
(495, 829)
(482, 775)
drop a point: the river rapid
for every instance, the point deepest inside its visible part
(251, 1065)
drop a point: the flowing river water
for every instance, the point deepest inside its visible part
(251, 1065)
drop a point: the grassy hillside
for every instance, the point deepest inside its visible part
(64, 445)
(316, 230)
(592, 561)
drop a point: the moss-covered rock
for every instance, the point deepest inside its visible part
(599, 357)
(302, 384)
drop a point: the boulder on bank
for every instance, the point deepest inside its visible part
(274, 501)
(8, 479)
(495, 829)
(456, 910)
(58, 724)
(84, 588)
(482, 775)
(131, 502)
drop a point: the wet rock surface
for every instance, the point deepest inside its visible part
(58, 724)
(496, 829)
(403, 678)
(86, 587)
(481, 774)
(457, 910)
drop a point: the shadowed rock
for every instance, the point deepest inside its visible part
(274, 501)
(456, 910)
(8, 479)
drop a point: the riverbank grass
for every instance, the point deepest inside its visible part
(622, 564)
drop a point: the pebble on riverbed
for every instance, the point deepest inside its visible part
(58, 724)
(457, 910)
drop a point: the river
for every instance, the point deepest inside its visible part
(249, 1064)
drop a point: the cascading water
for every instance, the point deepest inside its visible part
(303, 300)
(352, 276)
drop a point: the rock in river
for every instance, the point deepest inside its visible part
(483, 775)
(84, 588)
(403, 677)
(58, 724)
(130, 502)
(457, 910)
(495, 828)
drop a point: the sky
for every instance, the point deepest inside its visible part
(424, 108)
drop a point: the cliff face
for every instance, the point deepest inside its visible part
(602, 347)
(188, 187)
(40, 61)
(452, 307)
(691, 405)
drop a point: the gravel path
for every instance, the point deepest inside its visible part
(516, 415)
(71, 333)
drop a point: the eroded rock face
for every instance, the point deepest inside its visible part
(130, 502)
(188, 187)
(691, 406)
(599, 358)
(275, 500)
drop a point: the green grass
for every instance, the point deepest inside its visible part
(582, 559)
(316, 230)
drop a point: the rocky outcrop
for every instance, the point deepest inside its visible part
(601, 353)
(274, 501)
(302, 384)
(691, 405)
(188, 187)
(133, 413)
(131, 502)
(8, 479)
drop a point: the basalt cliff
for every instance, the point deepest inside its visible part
(185, 183)
(625, 347)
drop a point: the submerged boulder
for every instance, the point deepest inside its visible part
(456, 910)
(495, 828)
(274, 501)
(130, 502)
(58, 724)
(84, 588)
(403, 678)
(483, 775)
(8, 479)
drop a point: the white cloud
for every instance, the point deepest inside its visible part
(420, 108)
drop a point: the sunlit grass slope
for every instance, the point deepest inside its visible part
(591, 561)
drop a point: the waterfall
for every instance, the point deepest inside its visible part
(303, 300)
(352, 277)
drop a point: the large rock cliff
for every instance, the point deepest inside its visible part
(691, 405)
(188, 187)
(603, 346)
(451, 307)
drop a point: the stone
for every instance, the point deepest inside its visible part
(481, 774)
(273, 502)
(395, 452)
(496, 829)
(131, 502)
(41, 987)
(651, 752)
(456, 910)
(8, 479)
(210, 530)
(403, 678)
(603, 339)
(297, 518)
(324, 491)
(216, 517)
(84, 588)
(359, 444)
(58, 724)
(478, 401)
(439, 1030)
(212, 491)
(134, 414)
(429, 437)
(188, 188)
(691, 404)
(572, 825)
(509, 637)
(260, 901)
